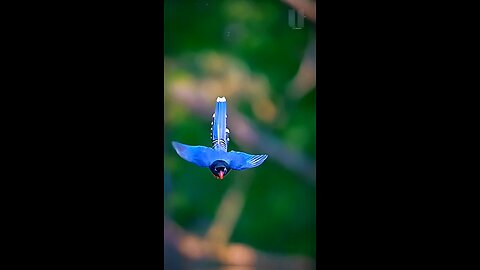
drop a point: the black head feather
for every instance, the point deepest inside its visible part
(217, 166)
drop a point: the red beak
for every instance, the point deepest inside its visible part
(221, 174)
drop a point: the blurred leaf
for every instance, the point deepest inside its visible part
(246, 51)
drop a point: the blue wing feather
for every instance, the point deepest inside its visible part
(243, 161)
(200, 155)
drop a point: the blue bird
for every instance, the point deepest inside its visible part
(216, 158)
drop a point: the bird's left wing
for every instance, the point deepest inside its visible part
(243, 161)
(200, 155)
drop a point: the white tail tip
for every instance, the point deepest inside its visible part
(221, 99)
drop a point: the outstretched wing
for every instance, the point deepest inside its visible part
(199, 155)
(243, 161)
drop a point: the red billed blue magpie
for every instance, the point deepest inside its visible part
(216, 158)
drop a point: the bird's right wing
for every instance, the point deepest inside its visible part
(243, 161)
(199, 155)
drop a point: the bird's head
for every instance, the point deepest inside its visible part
(219, 168)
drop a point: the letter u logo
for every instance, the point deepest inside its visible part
(292, 15)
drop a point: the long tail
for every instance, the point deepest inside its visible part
(220, 131)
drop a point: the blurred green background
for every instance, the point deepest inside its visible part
(245, 51)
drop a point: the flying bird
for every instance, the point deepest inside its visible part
(216, 158)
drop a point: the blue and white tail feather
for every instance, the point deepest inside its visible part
(220, 132)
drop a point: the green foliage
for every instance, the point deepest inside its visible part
(279, 212)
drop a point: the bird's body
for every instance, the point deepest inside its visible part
(216, 158)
